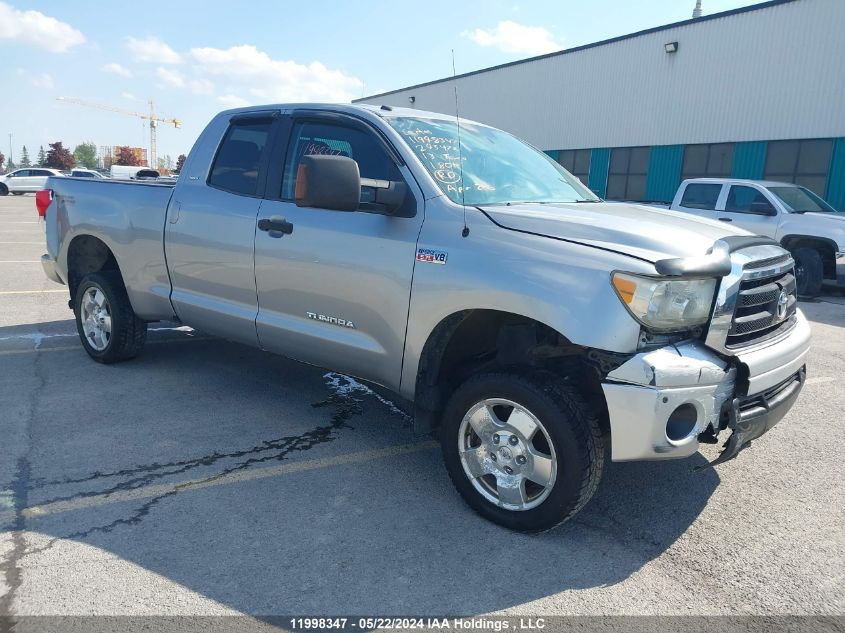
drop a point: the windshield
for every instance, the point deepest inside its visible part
(497, 167)
(801, 200)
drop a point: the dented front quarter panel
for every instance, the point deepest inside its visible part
(563, 285)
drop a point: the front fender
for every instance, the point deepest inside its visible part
(563, 285)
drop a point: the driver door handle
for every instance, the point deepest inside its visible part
(725, 220)
(276, 226)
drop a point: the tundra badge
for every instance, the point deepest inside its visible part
(330, 319)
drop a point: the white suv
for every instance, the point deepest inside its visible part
(27, 180)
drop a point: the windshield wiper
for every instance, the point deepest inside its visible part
(509, 203)
(515, 202)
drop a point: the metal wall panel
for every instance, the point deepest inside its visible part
(750, 160)
(599, 167)
(664, 172)
(836, 181)
(770, 73)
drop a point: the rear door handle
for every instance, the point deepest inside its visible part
(276, 226)
(725, 219)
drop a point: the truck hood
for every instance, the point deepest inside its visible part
(639, 231)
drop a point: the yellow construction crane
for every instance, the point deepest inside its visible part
(151, 117)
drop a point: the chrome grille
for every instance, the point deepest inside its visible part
(746, 311)
(769, 261)
(760, 312)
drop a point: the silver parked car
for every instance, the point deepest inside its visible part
(28, 180)
(86, 173)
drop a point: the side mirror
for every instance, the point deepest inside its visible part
(328, 182)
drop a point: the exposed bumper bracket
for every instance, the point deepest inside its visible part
(752, 417)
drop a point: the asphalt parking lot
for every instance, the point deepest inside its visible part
(209, 478)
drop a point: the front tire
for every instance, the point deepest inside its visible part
(809, 272)
(109, 329)
(4, 190)
(522, 448)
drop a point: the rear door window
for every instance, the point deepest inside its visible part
(240, 157)
(701, 196)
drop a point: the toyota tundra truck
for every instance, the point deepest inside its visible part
(533, 327)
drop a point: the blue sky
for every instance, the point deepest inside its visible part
(195, 58)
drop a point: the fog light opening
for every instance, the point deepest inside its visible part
(682, 422)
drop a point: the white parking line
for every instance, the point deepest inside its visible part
(19, 261)
(37, 243)
(70, 348)
(38, 337)
(27, 292)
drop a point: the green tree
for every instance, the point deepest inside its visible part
(42, 157)
(180, 162)
(164, 164)
(25, 158)
(59, 157)
(10, 165)
(86, 155)
(2, 160)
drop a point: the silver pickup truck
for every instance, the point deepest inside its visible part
(526, 321)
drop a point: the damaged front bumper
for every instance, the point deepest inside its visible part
(662, 401)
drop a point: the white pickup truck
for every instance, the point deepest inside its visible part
(803, 223)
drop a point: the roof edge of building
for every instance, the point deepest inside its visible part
(567, 51)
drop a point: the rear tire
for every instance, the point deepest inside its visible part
(18, 193)
(522, 448)
(108, 327)
(809, 272)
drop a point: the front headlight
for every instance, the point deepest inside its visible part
(666, 305)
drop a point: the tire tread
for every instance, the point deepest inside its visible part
(129, 333)
(576, 412)
(811, 260)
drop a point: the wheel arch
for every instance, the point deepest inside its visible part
(827, 249)
(473, 340)
(88, 254)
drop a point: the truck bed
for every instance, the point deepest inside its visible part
(128, 217)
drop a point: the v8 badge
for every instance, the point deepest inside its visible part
(430, 256)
